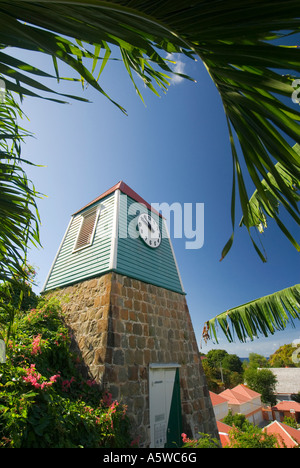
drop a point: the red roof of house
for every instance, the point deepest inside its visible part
(234, 398)
(217, 399)
(239, 395)
(286, 435)
(244, 390)
(287, 406)
(124, 188)
(223, 430)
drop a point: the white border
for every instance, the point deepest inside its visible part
(115, 232)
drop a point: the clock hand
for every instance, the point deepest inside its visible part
(148, 224)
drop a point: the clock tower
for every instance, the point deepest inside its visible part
(117, 277)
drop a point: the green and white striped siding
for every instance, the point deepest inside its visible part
(70, 267)
(116, 247)
(137, 260)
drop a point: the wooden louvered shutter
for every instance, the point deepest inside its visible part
(87, 229)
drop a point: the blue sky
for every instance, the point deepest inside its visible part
(176, 149)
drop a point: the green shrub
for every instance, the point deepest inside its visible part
(44, 400)
(204, 441)
(238, 420)
(252, 437)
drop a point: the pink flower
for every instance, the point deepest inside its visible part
(33, 377)
(36, 346)
(54, 378)
(114, 406)
(107, 397)
(66, 384)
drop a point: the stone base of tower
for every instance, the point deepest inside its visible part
(121, 327)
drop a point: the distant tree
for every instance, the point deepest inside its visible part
(256, 360)
(234, 378)
(220, 357)
(283, 357)
(214, 385)
(232, 363)
(262, 381)
(215, 357)
(222, 370)
(252, 437)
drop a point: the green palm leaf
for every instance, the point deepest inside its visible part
(262, 316)
(235, 41)
(266, 201)
(19, 219)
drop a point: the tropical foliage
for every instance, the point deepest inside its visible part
(238, 420)
(19, 219)
(283, 357)
(258, 210)
(222, 370)
(262, 381)
(290, 421)
(261, 316)
(256, 360)
(252, 437)
(242, 47)
(44, 400)
(204, 441)
(242, 435)
(237, 42)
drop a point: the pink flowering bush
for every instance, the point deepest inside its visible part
(44, 400)
(204, 441)
(36, 380)
(36, 346)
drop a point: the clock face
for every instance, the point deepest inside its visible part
(149, 230)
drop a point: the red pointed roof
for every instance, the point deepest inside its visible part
(217, 399)
(124, 188)
(239, 395)
(286, 435)
(233, 398)
(244, 390)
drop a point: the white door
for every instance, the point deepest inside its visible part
(161, 385)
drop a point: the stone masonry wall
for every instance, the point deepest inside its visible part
(121, 325)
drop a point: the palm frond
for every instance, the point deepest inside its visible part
(236, 42)
(266, 202)
(262, 316)
(94, 23)
(19, 218)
